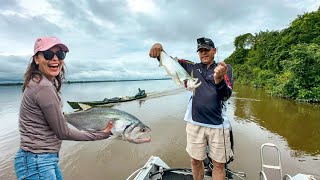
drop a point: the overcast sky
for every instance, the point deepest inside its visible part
(110, 39)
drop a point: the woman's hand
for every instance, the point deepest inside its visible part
(108, 127)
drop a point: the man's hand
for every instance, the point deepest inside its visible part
(155, 50)
(108, 127)
(219, 72)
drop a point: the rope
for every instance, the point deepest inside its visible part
(135, 172)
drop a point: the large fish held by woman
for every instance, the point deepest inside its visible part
(178, 73)
(125, 126)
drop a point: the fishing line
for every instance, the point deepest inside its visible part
(217, 55)
(224, 142)
(224, 138)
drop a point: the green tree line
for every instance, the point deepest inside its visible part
(286, 62)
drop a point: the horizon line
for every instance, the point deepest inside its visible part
(87, 81)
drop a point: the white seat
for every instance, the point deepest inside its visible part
(299, 177)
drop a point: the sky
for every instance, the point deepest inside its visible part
(111, 39)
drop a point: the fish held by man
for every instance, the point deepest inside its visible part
(125, 126)
(178, 73)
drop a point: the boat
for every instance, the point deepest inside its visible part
(108, 101)
(156, 168)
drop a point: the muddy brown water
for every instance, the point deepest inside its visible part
(256, 118)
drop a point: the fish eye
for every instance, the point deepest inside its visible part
(143, 130)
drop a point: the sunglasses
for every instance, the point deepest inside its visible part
(48, 54)
(203, 50)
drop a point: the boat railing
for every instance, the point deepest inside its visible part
(268, 166)
(278, 167)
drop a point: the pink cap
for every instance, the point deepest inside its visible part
(45, 43)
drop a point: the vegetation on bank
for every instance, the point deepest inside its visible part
(286, 62)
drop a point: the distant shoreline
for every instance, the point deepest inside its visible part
(73, 82)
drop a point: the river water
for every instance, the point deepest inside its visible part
(256, 119)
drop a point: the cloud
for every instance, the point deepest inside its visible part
(110, 39)
(13, 68)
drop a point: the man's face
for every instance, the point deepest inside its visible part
(207, 56)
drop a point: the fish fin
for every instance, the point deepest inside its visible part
(84, 107)
(195, 88)
(113, 137)
(160, 59)
(177, 79)
(113, 119)
(198, 84)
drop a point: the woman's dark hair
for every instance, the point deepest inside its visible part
(33, 73)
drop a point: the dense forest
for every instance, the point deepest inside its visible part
(286, 62)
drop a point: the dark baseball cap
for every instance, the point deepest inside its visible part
(204, 43)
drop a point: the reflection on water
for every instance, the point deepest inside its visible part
(256, 119)
(298, 123)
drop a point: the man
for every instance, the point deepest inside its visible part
(207, 124)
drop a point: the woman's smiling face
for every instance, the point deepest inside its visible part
(49, 68)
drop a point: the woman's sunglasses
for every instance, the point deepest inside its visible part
(48, 54)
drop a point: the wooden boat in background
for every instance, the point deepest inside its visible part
(105, 102)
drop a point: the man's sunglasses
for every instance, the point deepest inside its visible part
(48, 54)
(204, 50)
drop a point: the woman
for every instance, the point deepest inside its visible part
(41, 121)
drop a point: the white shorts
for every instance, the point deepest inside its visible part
(199, 138)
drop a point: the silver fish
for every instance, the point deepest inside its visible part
(178, 73)
(125, 126)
